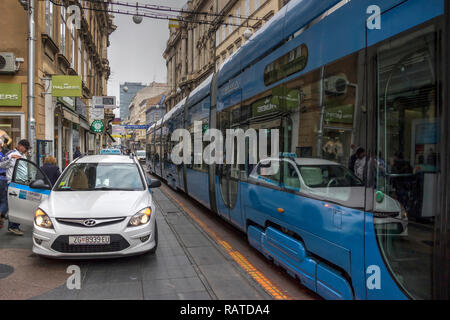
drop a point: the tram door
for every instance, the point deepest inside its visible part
(404, 166)
(227, 174)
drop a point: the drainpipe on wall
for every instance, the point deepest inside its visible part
(31, 75)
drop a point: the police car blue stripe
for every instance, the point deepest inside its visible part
(27, 188)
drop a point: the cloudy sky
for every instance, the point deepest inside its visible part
(135, 53)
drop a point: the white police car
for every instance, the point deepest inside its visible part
(101, 206)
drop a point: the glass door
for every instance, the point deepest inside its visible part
(406, 164)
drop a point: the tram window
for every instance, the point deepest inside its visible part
(267, 172)
(290, 177)
(292, 62)
(198, 113)
(407, 162)
(323, 118)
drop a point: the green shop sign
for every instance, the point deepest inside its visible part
(282, 99)
(66, 86)
(10, 94)
(339, 114)
(97, 126)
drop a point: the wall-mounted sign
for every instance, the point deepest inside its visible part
(10, 94)
(81, 107)
(104, 102)
(97, 126)
(174, 23)
(96, 114)
(339, 114)
(264, 106)
(66, 86)
(117, 131)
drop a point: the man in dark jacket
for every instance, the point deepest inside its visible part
(352, 160)
(77, 153)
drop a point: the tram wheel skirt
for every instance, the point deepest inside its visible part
(291, 254)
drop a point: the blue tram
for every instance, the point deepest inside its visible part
(346, 83)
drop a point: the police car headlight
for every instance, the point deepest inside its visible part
(140, 218)
(404, 215)
(42, 219)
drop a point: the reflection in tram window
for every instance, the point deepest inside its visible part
(322, 112)
(408, 153)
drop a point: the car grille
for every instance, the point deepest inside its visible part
(118, 243)
(98, 221)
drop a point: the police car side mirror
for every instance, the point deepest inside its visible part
(154, 184)
(39, 184)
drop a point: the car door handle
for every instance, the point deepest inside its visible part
(13, 194)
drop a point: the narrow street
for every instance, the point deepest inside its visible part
(192, 262)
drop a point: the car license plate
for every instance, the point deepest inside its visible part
(87, 240)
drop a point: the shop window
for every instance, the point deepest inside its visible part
(63, 30)
(10, 130)
(49, 18)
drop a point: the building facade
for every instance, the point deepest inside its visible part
(150, 95)
(190, 50)
(155, 109)
(208, 32)
(128, 91)
(62, 123)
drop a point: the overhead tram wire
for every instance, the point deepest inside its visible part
(171, 9)
(154, 15)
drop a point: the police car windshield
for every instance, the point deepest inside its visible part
(101, 176)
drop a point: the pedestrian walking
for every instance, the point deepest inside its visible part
(8, 163)
(50, 169)
(352, 160)
(77, 153)
(360, 163)
(3, 184)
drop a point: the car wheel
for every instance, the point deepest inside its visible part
(153, 250)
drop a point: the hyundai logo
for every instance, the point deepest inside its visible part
(89, 222)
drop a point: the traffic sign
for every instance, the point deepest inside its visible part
(136, 126)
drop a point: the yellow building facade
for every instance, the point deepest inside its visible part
(241, 15)
(60, 49)
(207, 33)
